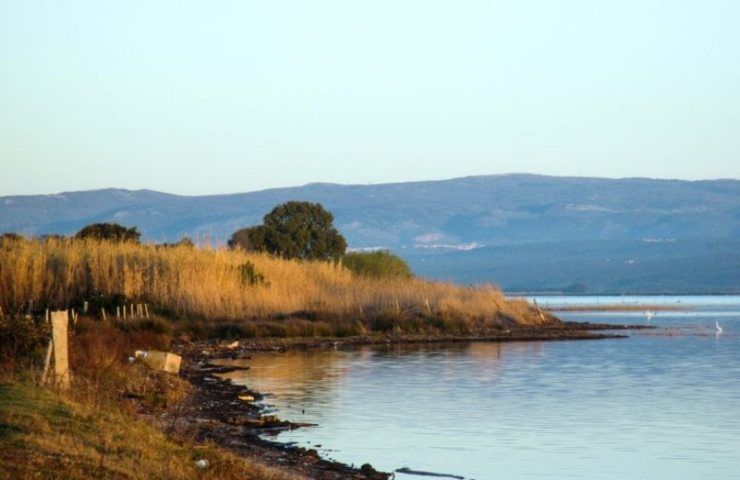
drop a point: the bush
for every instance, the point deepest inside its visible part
(21, 336)
(10, 237)
(250, 276)
(380, 264)
(109, 231)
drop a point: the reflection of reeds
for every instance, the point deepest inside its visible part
(209, 283)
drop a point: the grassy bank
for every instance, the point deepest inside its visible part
(44, 435)
(234, 286)
(110, 425)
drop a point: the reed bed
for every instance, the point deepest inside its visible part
(220, 284)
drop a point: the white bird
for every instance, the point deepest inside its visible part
(719, 329)
(649, 315)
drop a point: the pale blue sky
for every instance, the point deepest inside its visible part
(211, 97)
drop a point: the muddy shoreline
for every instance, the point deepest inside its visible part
(215, 412)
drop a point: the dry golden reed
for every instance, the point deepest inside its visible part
(210, 283)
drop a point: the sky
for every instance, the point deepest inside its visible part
(217, 97)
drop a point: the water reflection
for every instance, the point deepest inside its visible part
(652, 406)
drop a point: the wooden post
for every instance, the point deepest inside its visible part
(60, 324)
(146, 310)
(47, 361)
(132, 312)
(1, 312)
(123, 307)
(429, 310)
(118, 312)
(398, 307)
(140, 310)
(46, 316)
(539, 311)
(102, 313)
(84, 307)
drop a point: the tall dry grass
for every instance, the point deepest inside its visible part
(210, 283)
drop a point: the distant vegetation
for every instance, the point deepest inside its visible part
(183, 242)
(381, 264)
(10, 237)
(109, 231)
(300, 230)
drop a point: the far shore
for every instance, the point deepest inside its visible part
(618, 307)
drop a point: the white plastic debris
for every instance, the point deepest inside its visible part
(165, 361)
(202, 463)
(233, 345)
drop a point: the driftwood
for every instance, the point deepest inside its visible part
(408, 471)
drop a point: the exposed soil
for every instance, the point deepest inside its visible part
(215, 412)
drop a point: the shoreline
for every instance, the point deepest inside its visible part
(618, 307)
(214, 412)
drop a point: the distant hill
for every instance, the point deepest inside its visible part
(471, 219)
(594, 267)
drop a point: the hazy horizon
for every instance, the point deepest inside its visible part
(349, 184)
(195, 98)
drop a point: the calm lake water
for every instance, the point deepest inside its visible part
(663, 403)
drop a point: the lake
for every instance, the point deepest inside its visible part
(664, 403)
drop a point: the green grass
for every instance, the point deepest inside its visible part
(46, 436)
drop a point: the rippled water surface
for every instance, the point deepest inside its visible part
(663, 403)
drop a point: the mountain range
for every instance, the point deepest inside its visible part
(523, 232)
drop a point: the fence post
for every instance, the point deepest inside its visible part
(47, 361)
(59, 326)
(146, 310)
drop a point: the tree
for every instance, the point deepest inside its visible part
(300, 230)
(381, 264)
(248, 238)
(109, 231)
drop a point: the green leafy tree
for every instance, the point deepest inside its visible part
(299, 230)
(381, 264)
(109, 231)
